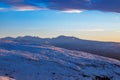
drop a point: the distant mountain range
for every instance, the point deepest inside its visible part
(107, 49)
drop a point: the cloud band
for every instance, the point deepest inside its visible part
(62, 5)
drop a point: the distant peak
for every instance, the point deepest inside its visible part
(61, 36)
(68, 37)
(27, 37)
(7, 38)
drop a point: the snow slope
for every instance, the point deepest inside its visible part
(30, 62)
(107, 49)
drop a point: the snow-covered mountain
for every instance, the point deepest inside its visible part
(107, 49)
(20, 61)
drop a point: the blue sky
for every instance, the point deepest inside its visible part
(86, 24)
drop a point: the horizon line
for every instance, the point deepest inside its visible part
(59, 36)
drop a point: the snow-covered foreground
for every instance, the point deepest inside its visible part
(30, 62)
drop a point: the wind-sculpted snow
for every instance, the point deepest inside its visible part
(30, 62)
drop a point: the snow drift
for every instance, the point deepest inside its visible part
(32, 62)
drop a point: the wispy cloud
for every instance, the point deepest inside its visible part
(85, 30)
(76, 5)
(92, 30)
(72, 11)
(2, 9)
(118, 31)
(26, 8)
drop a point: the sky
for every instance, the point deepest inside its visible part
(85, 19)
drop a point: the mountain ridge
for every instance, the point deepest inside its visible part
(107, 49)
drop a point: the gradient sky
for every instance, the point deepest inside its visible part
(20, 19)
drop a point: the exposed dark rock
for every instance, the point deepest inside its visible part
(102, 78)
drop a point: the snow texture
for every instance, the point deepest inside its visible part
(32, 62)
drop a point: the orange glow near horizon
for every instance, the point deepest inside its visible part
(97, 36)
